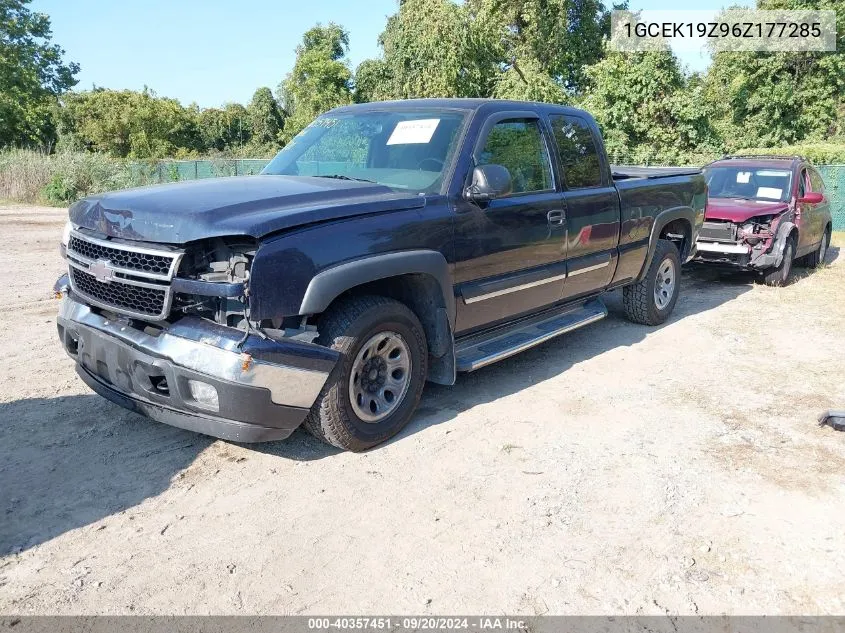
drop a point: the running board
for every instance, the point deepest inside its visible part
(488, 347)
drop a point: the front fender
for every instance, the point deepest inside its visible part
(774, 257)
(329, 284)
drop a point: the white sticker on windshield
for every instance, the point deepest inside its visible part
(769, 192)
(743, 177)
(407, 132)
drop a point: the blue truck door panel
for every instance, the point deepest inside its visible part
(592, 206)
(592, 240)
(509, 253)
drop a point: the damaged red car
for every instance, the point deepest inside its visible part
(764, 213)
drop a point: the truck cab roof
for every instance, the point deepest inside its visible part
(467, 104)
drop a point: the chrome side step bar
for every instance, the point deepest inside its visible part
(488, 347)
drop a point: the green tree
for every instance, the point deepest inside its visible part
(541, 40)
(211, 126)
(527, 81)
(225, 129)
(32, 75)
(127, 123)
(761, 99)
(517, 49)
(265, 118)
(320, 79)
(373, 81)
(432, 48)
(237, 130)
(647, 109)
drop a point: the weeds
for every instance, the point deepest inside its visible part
(27, 176)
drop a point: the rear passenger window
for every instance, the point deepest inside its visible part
(816, 181)
(579, 157)
(518, 145)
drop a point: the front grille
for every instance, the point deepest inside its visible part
(122, 258)
(718, 231)
(136, 300)
(127, 278)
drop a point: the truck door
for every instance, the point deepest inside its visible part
(509, 251)
(592, 207)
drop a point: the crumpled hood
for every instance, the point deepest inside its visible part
(248, 205)
(737, 210)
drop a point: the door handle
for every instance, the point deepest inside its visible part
(555, 217)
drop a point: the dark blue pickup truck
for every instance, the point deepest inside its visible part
(386, 245)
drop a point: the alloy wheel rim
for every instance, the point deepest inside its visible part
(380, 377)
(664, 285)
(823, 249)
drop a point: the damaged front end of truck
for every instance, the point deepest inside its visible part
(167, 331)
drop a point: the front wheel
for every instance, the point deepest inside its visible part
(652, 300)
(376, 385)
(779, 276)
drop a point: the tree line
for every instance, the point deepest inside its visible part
(650, 109)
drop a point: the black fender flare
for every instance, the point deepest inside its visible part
(330, 283)
(784, 230)
(660, 221)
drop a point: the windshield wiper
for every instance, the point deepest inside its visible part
(344, 177)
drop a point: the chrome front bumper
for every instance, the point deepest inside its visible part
(264, 388)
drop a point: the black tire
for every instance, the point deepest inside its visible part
(779, 276)
(346, 327)
(641, 304)
(817, 257)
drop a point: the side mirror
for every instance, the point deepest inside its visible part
(812, 197)
(488, 182)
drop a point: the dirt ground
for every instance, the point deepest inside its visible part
(618, 469)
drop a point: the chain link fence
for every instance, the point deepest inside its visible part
(834, 184)
(176, 170)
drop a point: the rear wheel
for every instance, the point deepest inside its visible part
(817, 257)
(376, 385)
(652, 300)
(779, 276)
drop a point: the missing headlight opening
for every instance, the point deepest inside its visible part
(224, 261)
(756, 230)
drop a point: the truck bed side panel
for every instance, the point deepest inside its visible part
(647, 205)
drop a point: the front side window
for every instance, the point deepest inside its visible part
(400, 149)
(518, 145)
(579, 157)
(802, 184)
(750, 183)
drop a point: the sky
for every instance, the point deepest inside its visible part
(211, 52)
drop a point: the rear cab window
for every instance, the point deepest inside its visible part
(579, 155)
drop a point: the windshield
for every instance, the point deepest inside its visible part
(403, 150)
(749, 183)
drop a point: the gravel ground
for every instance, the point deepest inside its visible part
(618, 469)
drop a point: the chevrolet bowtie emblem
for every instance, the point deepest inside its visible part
(101, 270)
